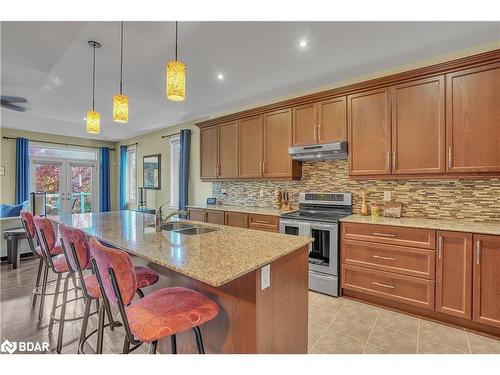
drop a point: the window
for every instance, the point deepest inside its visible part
(131, 175)
(61, 152)
(175, 157)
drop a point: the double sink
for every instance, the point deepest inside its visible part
(186, 228)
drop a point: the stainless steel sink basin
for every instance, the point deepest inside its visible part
(195, 230)
(176, 225)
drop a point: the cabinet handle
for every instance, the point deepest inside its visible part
(478, 252)
(440, 247)
(262, 221)
(384, 234)
(381, 257)
(449, 157)
(394, 160)
(383, 285)
(315, 134)
(319, 132)
(388, 160)
(246, 221)
(218, 170)
(263, 167)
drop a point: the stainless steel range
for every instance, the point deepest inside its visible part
(318, 217)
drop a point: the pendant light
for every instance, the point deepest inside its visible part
(93, 117)
(176, 77)
(120, 102)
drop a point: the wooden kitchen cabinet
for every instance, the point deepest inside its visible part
(473, 119)
(237, 219)
(369, 132)
(251, 150)
(277, 139)
(332, 120)
(454, 274)
(196, 214)
(418, 127)
(486, 280)
(320, 122)
(305, 124)
(228, 150)
(208, 152)
(215, 217)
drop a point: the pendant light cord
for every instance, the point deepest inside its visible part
(93, 80)
(175, 40)
(121, 59)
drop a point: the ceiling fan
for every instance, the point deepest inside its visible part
(10, 102)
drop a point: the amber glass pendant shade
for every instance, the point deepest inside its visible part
(120, 108)
(176, 81)
(93, 122)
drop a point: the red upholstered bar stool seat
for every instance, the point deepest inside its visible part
(160, 314)
(76, 247)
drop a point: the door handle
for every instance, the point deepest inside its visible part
(478, 252)
(316, 134)
(388, 160)
(394, 160)
(450, 155)
(440, 247)
(383, 258)
(383, 285)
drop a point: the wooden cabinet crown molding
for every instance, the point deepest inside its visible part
(427, 71)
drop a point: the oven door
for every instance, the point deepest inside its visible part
(294, 227)
(323, 253)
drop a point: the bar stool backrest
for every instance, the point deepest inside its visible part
(75, 242)
(117, 264)
(46, 236)
(29, 228)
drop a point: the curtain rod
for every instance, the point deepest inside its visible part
(58, 143)
(132, 144)
(170, 135)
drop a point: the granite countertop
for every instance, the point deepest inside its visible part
(456, 225)
(214, 258)
(244, 209)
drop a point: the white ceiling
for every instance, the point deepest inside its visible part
(49, 63)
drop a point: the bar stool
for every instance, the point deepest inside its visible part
(76, 247)
(29, 228)
(160, 314)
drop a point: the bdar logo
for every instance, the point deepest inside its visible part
(8, 347)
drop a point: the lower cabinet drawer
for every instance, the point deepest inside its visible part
(399, 259)
(264, 222)
(405, 289)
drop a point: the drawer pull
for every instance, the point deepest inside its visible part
(381, 257)
(262, 221)
(384, 234)
(478, 252)
(383, 285)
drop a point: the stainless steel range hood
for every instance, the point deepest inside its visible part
(327, 151)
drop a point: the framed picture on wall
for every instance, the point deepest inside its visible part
(152, 171)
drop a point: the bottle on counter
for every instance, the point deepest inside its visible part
(364, 205)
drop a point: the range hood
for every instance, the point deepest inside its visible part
(327, 151)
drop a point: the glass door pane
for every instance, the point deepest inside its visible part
(47, 178)
(82, 188)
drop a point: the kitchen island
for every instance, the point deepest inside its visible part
(226, 265)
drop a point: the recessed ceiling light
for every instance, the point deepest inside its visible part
(220, 76)
(303, 43)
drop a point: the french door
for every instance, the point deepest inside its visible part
(71, 186)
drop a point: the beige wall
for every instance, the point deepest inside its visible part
(8, 159)
(153, 143)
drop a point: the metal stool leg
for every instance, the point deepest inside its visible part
(100, 331)
(74, 284)
(126, 345)
(199, 340)
(37, 283)
(173, 344)
(63, 314)
(152, 347)
(86, 315)
(44, 290)
(54, 302)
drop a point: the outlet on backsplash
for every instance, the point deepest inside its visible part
(387, 196)
(261, 193)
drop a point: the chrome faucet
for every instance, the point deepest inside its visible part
(160, 221)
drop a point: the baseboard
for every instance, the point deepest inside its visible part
(24, 255)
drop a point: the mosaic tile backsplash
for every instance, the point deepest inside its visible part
(477, 200)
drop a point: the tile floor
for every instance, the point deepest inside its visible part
(343, 326)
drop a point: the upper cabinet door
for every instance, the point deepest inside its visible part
(418, 127)
(369, 132)
(277, 139)
(251, 147)
(305, 125)
(228, 150)
(486, 280)
(473, 119)
(332, 120)
(208, 152)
